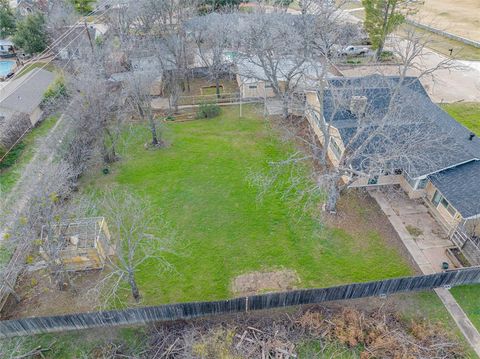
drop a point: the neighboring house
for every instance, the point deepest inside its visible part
(7, 48)
(25, 94)
(253, 81)
(450, 183)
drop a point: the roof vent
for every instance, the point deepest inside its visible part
(471, 137)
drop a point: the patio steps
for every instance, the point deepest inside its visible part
(472, 253)
(469, 248)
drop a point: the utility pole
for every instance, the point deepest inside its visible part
(89, 36)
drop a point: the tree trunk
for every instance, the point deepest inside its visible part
(378, 54)
(153, 130)
(383, 35)
(285, 107)
(134, 287)
(217, 87)
(332, 197)
(110, 153)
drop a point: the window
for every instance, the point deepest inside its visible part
(336, 149)
(451, 210)
(252, 86)
(373, 180)
(448, 207)
(422, 183)
(437, 197)
(444, 202)
(268, 85)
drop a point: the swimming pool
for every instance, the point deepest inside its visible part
(6, 67)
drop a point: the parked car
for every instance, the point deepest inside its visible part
(354, 51)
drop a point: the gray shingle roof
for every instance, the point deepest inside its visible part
(416, 105)
(461, 187)
(26, 93)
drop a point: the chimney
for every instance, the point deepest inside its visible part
(472, 135)
(358, 104)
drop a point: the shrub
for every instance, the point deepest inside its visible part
(208, 110)
(12, 156)
(55, 91)
(11, 129)
(386, 55)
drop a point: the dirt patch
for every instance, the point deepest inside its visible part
(262, 282)
(41, 296)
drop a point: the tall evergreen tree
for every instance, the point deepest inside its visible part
(83, 7)
(30, 34)
(7, 19)
(382, 17)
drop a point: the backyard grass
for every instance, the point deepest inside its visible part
(468, 114)
(200, 183)
(21, 155)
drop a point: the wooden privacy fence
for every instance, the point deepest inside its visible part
(135, 316)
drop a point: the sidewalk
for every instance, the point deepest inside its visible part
(400, 214)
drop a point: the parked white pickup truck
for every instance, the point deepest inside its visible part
(354, 51)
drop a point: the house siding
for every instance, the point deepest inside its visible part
(313, 102)
(259, 91)
(451, 221)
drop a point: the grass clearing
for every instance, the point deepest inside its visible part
(467, 113)
(30, 67)
(22, 153)
(201, 185)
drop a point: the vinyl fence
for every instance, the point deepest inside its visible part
(135, 316)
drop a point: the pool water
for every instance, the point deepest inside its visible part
(6, 67)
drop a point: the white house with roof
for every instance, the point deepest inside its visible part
(25, 94)
(254, 81)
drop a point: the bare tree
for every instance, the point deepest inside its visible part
(12, 128)
(139, 234)
(273, 52)
(212, 34)
(136, 90)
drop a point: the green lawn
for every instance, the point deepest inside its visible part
(30, 67)
(200, 183)
(21, 155)
(468, 114)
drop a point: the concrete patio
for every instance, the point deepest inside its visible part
(426, 242)
(419, 230)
